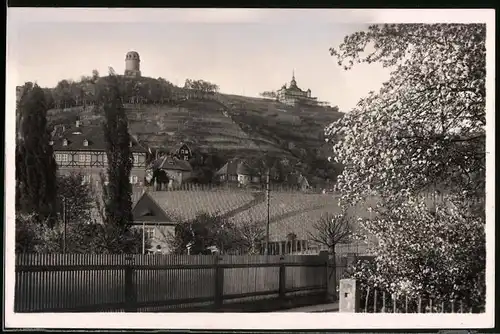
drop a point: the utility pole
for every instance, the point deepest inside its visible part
(268, 213)
(143, 237)
(64, 225)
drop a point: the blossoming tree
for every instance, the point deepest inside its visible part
(422, 132)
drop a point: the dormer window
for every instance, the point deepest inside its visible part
(85, 142)
(130, 144)
(51, 142)
(65, 142)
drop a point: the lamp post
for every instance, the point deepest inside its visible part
(266, 251)
(143, 237)
(64, 224)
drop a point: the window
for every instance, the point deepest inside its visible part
(58, 157)
(105, 157)
(149, 233)
(84, 158)
(186, 158)
(134, 179)
(86, 178)
(64, 157)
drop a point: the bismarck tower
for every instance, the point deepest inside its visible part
(132, 64)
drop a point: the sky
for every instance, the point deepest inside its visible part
(244, 51)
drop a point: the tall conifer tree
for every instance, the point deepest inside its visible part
(118, 204)
(36, 168)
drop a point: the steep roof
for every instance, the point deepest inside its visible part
(94, 135)
(171, 163)
(185, 205)
(290, 212)
(177, 147)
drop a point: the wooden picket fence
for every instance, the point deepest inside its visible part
(141, 283)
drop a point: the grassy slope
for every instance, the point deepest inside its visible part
(301, 126)
(239, 125)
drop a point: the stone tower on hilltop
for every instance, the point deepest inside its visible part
(132, 64)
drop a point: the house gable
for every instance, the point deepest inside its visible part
(146, 209)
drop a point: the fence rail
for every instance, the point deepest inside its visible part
(138, 283)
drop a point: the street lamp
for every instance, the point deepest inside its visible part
(268, 213)
(64, 224)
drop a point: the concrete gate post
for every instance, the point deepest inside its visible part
(349, 296)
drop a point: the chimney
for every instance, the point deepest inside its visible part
(85, 142)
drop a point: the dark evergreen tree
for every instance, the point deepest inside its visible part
(35, 164)
(118, 202)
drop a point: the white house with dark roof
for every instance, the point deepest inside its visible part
(237, 171)
(178, 171)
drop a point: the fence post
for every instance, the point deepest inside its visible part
(331, 277)
(130, 290)
(349, 295)
(282, 278)
(219, 283)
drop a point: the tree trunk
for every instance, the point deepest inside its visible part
(334, 270)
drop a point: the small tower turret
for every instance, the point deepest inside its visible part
(132, 64)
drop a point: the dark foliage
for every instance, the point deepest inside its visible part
(118, 192)
(35, 164)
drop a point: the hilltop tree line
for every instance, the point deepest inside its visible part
(68, 93)
(201, 85)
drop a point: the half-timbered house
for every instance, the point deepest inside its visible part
(182, 152)
(82, 149)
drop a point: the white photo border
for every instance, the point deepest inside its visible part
(256, 321)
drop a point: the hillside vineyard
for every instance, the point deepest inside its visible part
(284, 133)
